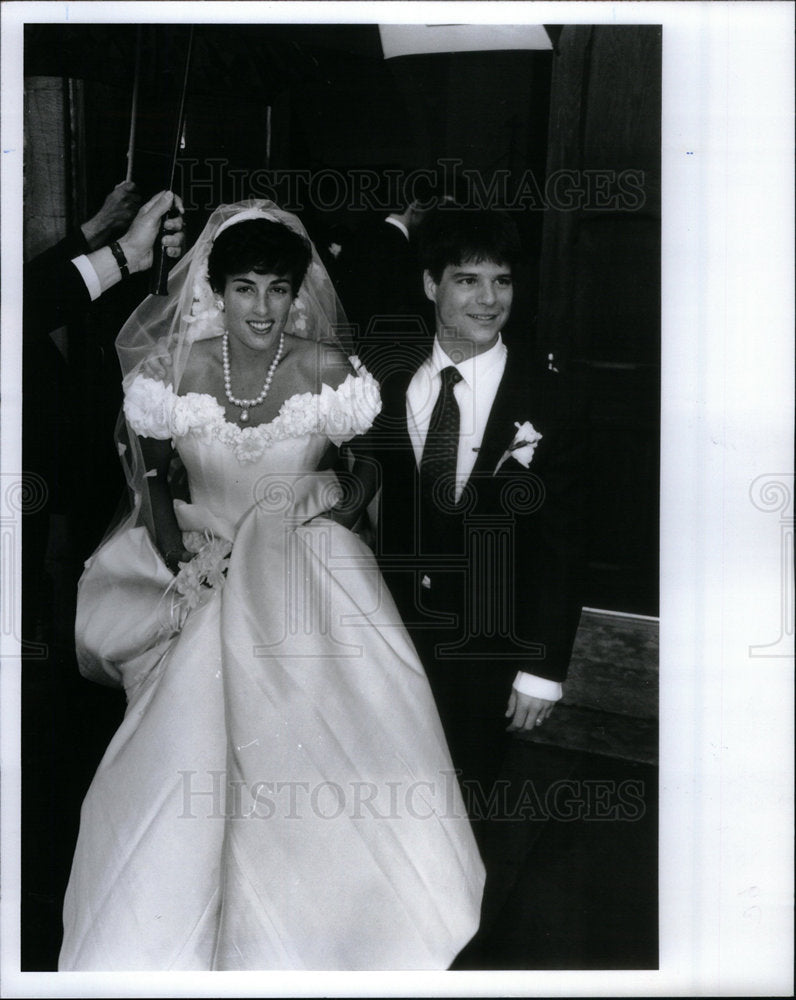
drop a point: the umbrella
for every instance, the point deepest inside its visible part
(426, 39)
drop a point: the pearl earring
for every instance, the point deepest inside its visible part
(220, 305)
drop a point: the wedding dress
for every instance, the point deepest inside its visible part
(279, 794)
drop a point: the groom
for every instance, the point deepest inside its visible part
(479, 458)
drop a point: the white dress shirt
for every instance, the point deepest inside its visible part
(474, 394)
(98, 270)
(89, 276)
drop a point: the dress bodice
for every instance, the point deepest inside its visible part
(230, 468)
(220, 482)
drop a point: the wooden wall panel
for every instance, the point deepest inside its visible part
(599, 301)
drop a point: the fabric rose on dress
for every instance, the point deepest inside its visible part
(299, 415)
(353, 407)
(227, 433)
(195, 413)
(148, 406)
(251, 445)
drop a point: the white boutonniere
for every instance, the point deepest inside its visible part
(522, 447)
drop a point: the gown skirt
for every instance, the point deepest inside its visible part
(279, 794)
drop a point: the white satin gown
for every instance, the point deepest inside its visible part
(280, 793)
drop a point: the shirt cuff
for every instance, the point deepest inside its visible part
(537, 687)
(89, 276)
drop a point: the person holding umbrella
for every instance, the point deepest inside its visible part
(61, 282)
(59, 286)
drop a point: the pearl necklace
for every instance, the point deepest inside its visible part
(248, 404)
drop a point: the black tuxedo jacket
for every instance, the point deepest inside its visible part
(54, 294)
(504, 566)
(54, 291)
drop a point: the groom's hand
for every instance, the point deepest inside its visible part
(526, 712)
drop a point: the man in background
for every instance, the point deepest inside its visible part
(381, 286)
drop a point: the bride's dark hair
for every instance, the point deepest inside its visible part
(262, 246)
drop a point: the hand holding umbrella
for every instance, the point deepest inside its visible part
(137, 244)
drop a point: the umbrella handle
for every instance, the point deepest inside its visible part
(134, 105)
(161, 262)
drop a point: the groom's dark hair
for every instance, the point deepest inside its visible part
(262, 246)
(452, 235)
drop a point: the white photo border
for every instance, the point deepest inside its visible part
(726, 894)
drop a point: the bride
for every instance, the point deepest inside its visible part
(279, 794)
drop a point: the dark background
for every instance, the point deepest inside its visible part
(321, 98)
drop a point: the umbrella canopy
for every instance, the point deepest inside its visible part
(232, 66)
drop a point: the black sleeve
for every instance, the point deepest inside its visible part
(554, 574)
(54, 292)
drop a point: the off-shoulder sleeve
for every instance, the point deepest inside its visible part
(351, 408)
(148, 407)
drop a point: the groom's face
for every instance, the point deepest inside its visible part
(473, 304)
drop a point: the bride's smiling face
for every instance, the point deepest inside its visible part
(256, 307)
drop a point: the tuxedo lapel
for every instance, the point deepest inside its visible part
(510, 406)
